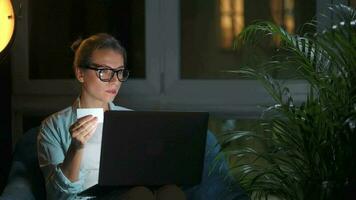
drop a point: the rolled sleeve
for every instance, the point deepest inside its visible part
(58, 186)
(51, 152)
(64, 184)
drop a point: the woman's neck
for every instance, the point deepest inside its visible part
(86, 103)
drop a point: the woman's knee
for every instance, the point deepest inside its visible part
(138, 193)
(171, 192)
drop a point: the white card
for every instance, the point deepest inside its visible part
(91, 156)
(97, 112)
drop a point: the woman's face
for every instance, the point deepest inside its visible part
(94, 90)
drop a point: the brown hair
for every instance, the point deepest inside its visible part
(83, 49)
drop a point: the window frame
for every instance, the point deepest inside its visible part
(162, 89)
(217, 96)
(22, 84)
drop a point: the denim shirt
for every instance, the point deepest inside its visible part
(54, 140)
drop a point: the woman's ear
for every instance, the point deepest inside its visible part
(79, 74)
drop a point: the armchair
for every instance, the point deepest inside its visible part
(25, 179)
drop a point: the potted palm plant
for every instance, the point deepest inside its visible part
(310, 146)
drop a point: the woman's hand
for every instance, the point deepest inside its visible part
(82, 130)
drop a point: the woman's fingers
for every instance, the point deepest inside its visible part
(83, 129)
(90, 132)
(81, 121)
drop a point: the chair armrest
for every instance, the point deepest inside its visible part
(19, 186)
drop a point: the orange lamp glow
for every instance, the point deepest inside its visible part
(7, 23)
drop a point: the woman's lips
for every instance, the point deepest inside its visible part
(111, 91)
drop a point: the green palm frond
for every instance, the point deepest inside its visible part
(309, 147)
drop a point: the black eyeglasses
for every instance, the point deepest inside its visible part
(106, 74)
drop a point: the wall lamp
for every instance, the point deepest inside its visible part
(7, 25)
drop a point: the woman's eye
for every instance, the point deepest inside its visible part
(105, 71)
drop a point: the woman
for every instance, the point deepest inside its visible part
(99, 66)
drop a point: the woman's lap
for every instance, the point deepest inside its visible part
(171, 192)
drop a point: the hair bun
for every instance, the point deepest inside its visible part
(76, 44)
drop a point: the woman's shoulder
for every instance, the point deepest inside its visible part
(58, 118)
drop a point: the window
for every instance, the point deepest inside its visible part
(232, 20)
(54, 25)
(178, 51)
(209, 28)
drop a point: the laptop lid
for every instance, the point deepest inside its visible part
(152, 148)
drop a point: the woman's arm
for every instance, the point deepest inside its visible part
(59, 159)
(81, 131)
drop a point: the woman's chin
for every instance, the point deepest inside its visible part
(110, 98)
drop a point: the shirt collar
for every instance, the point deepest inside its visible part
(76, 103)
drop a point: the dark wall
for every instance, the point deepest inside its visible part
(5, 120)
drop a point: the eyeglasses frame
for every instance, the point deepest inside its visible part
(98, 67)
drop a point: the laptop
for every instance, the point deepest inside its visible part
(150, 148)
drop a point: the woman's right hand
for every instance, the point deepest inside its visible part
(82, 130)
